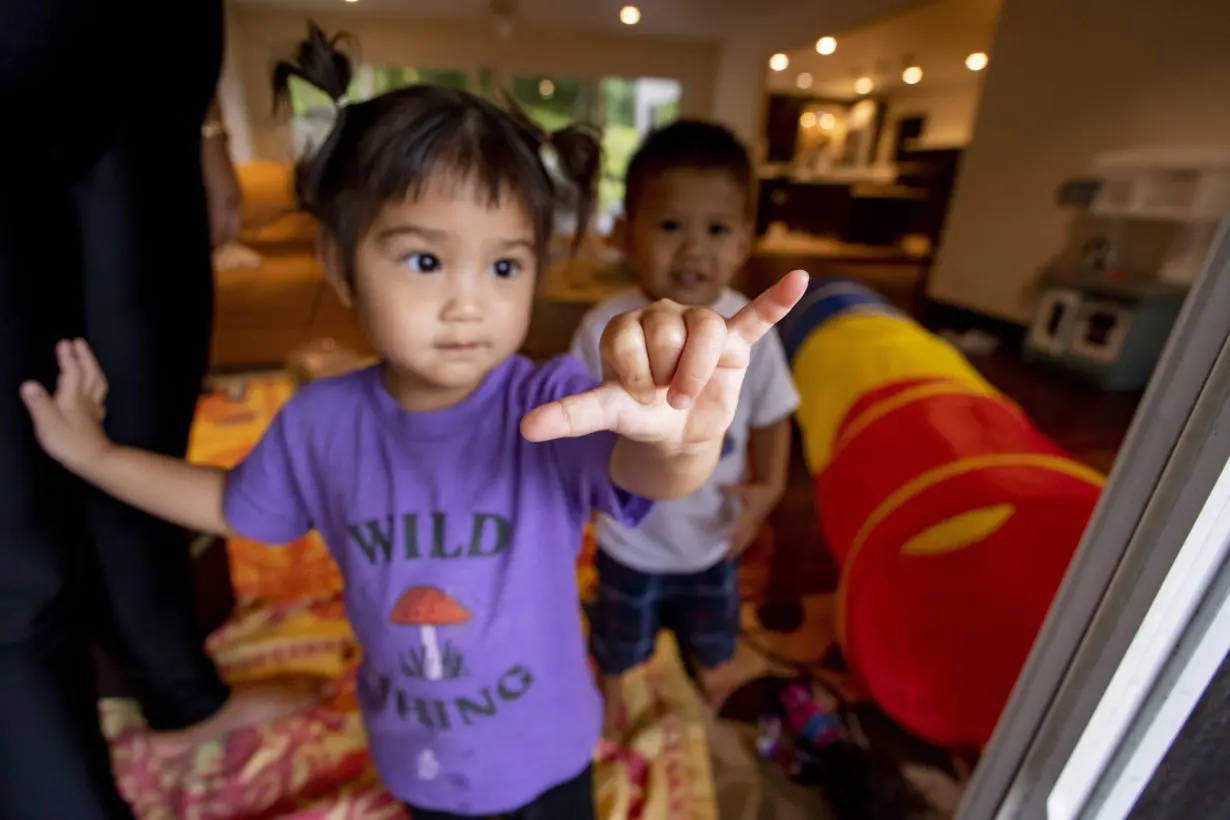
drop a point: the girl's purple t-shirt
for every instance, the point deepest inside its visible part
(458, 541)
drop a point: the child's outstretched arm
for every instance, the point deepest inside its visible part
(672, 377)
(69, 428)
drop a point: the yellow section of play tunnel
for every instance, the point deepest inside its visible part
(851, 355)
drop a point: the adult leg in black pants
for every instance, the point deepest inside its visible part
(55, 762)
(55, 759)
(76, 258)
(148, 296)
(57, 152)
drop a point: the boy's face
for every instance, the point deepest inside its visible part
(688, 235)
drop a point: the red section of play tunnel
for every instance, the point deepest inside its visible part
(888, 452)
(939, 638)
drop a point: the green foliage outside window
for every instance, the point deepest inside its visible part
(551, 102)
(486, 84)
(619, 140)
(665, 114)
(390, 79)
(304, 96)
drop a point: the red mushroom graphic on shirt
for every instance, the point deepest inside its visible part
(429, 608)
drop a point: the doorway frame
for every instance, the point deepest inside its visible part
(1176, 448)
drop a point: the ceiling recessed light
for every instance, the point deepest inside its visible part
(827, 121)
(629, 15)
(826, 45)
(803, 81)
(808, 120)
(352, 1)
(976, 61)
(546, 89)
(779, 62)
(863, 85)
(912, 75)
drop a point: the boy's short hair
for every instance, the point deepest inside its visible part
(687, 143)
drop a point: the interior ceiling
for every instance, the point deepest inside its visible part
(684, 19)
(936, 36)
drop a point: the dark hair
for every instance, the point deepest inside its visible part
(696, 144)
(390, 146)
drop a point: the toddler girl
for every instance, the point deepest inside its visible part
(452, 480)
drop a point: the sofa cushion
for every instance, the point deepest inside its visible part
(270, 216)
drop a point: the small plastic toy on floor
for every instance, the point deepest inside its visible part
(807, 736)
(812, 725)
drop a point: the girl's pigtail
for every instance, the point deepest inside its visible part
(319, 61)
(579, 149)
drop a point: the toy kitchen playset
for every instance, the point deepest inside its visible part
(1145, 221)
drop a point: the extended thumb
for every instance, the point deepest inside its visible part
(579, 415)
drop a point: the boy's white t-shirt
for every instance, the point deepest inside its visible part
(692, 534)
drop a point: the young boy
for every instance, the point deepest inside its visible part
(688, 232)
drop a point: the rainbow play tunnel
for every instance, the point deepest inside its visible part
(952, 517)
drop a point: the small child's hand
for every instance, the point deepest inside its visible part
(69, 424)
(672, 373)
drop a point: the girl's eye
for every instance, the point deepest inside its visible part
(422, 262)
(718, 229)
(669, 225)
(506, 268)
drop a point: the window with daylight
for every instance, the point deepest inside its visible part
(624, 108)
(389, 79)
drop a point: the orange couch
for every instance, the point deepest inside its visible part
(265, 312)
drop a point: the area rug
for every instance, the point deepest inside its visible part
(315, 766)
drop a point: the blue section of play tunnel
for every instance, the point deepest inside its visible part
(827, 297)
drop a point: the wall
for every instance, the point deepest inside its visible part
(260, 36)
(1069, 79)
(740, 88)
